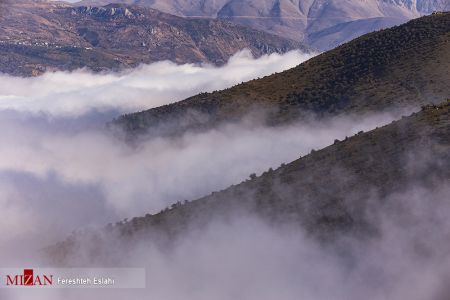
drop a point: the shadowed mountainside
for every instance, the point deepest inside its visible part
(40, 35)
(328, 192)
(405, 66)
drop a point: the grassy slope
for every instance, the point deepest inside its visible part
(403, 66)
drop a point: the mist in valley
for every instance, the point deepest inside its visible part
(62, 170)
(75, 94)
(245, 257)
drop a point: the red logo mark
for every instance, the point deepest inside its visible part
(28, 279)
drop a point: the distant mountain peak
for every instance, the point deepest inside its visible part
(422, 6)
(324, 23)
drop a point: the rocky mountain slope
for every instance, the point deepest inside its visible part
(323, 23)
(328, 192)
(401, 67)
(40, 35)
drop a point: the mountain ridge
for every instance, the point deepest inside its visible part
(40, 36)
(301, 20)
(401, 67)
(328, 192)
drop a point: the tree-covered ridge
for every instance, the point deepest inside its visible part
(404, 66)
(328, 192)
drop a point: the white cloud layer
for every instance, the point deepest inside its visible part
(162, 171)
(76, 93)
